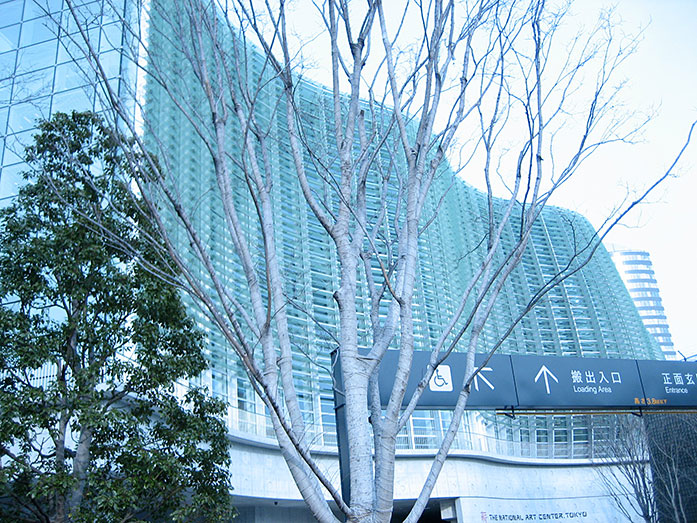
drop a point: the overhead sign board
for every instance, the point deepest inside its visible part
(491, 388)
(668, 383)
(547, 382)
(560, 382)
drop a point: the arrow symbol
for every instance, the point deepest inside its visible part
(481, 375)
(547, 374)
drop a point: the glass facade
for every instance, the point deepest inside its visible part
(589, 315)
(43, 71)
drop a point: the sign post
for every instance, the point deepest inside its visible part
(341, 428)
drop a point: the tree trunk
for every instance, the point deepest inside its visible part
(80, 466)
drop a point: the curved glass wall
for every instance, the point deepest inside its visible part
(589, 315)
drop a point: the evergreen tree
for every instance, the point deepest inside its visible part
(92, 348)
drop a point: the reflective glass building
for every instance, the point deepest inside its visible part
(43, 72)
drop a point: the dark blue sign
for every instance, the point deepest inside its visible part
(560, 382)
(492, 387)
(668, 384)
(548, 382)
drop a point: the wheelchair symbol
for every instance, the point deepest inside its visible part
(441, 381)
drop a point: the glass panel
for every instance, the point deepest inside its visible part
(69, 51)
(36, 8)
(69, 76)
(10, 182)
(111, 37)
(12, 155)
(75, 100)
(5, 90)
(24, 116)
(110, 62)
(219, 385)
(88, 17)
(7, 64)
(11, 12)
(33, 85)
(113, 12)
(14, 147)
(37, 31)
(9, 37)
(75, 48)
(37, 56)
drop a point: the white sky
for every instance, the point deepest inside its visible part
(663, 76)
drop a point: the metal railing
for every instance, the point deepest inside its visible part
(477, 434)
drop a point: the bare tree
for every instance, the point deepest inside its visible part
(626, 471)
(649, 467)
(673, 465)
(485, 82)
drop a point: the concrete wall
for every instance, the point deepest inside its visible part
(475, 488)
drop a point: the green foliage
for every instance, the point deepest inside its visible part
(91, 347)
